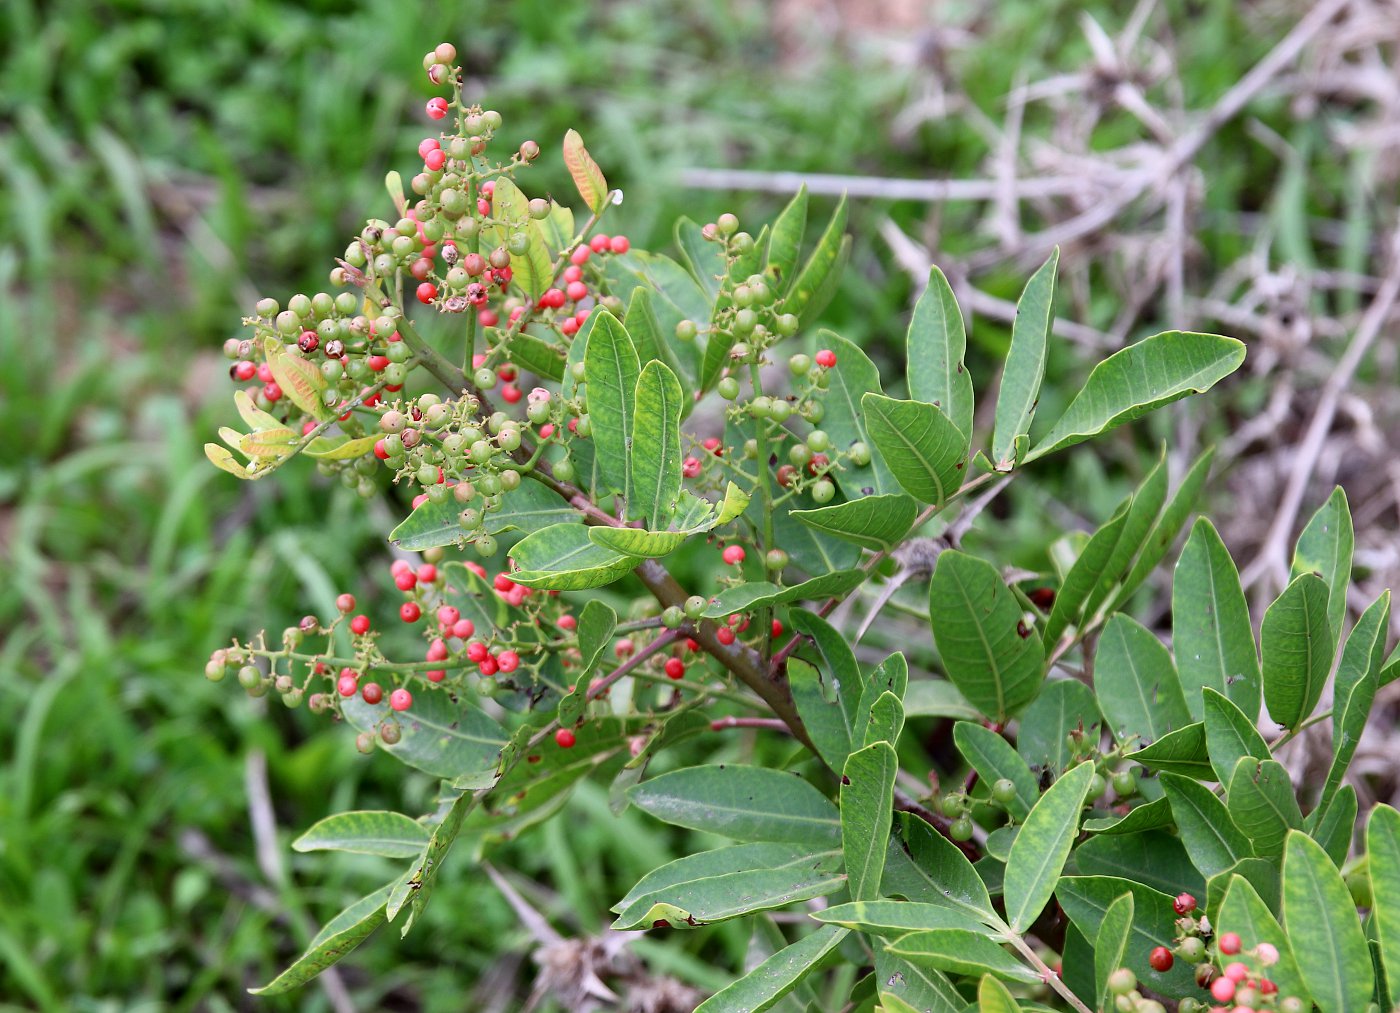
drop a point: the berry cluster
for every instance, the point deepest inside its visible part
(1234, 985)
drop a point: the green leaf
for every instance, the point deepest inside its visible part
(1383, 856)
(764, 594)
(926, 453)
(704, 257)
(1325, 548)
(890, 679)
(728, 883)
(420, 882)
(543, 358)
(1230, 736)
(994, 997)
(1141, 378)
(1111, 945)
(595, 629)
(1136, 682)
(562, 557)
(339, 448)
(898, 917)
(937, 698)
(837, 655)
(1086, 900)
(994, 758)
(777, 976)
(1085, 576)
(1298, 650)
(867, 802)
(1180, 752)
(1063, 707)
(1140, 515)
(925, 989)
(976, 626)
(960, 951)
(440, 734)
(611, 369)
(936, 344)
(828, 723)
(1211, 635)
(637, 542)
(853, 376)
(1038, 856)
(742, 803)
(1244, 913)
(1025, 367)
(884, 720)
(655, 445)
(365, 832)
(873, 522)
(925, 867)
(340, 935)
(1323, 928)
(1210, 835)
(1262, 804)
(813, 286)
(1354, 689)
(653, 343)
(529, 508)
(785, 241)
(1334, 825)
(1164, 531)
(1148, 816)
(587, 177)
(1154, 858)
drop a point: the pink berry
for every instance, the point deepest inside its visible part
(347, 685)
(427, 573)
(404, 580)
(508, 661)
(437, 650)
(437, 108)
(580, 255)
(436, 675)
(511, 394)
(1230, 944)
(1236, 972)
(428, 144)
(447, 617)
(734, 554)
(1268, 954)
(599, 243)
(1222, 989)
(409, 612)
(620, 244)
(346, 603)
(400, 700)
(462, 629)
(567, 622)
(435, 159)
(477, 652)
(576, 291)
(624, 647)
(359, 625)
(427, 292)
(826, 357)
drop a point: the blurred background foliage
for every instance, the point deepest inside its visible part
(163, 162)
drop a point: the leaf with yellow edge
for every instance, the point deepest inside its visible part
(299, 379)
(275, 443)
(338, 448)
(252, 414)
(592, 187)
(221, 458)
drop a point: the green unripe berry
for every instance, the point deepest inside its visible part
(267, 308)
(694, 605)
(249, 676)
(672, 617)
(1191, 949)
(564, 470)
(728, 388)
(508, 439)
(814, 412)
(800, 364)
(786, 324)
(819, 441)
(398, 352)
(823, 490)
(510, 480)
(1122, 981)
(1124, 783)
(577, 371)
(215, 671)
(364, 742)
(686, 330)
(740, 351)
(742, 242)
(953, 804)
(518, 243)
(745, 321)
(584, 428)
(484, 378)
(743, 295)
(750, 450)
(1097, 786)
(395, 373)
(300, 304)
(481, 452)
(727, 224)
(438, 493)
(961, 830)
(1291, 1004)
(775, 559)
(779, 410)
(485, 546)
(539, 209)
(469, 519)
(1004, 790)
(859, 454)
(390, 733)
(490, 485)
(760, 406)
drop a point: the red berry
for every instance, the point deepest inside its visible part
(675, 668)
(372, 693)
(691, 644)
(409, 612)
(488, 318)
(436, 675)
(428, 144)
(569, 327)
(404, 580)
(264, 372)
(624, 647)
(690, 467)
(1222, 989)
(347, 684)
(437, 108)
(477, 652)
(580, 255)
(437, 650)
(377, 362)
(599, 243)
(576, 291)
(272, 392)
(359, 625)
(400, 700)
(462, 629)
(510, 393)
(508, 661)
(447, 617)
(346, 603)
(565, 739)
(1184, 904)
(244, 370)
(734, 554)
(1230, 944)
(826, 357)
(553, 299)
(714, 445)
(489, 666)
(620, 244)
(777, 628)
(502, 582)
(435, 159)
(427, 573)
(573, 273)
(427, 292)
(566, 622)
(725, 635)
(1161, 959)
